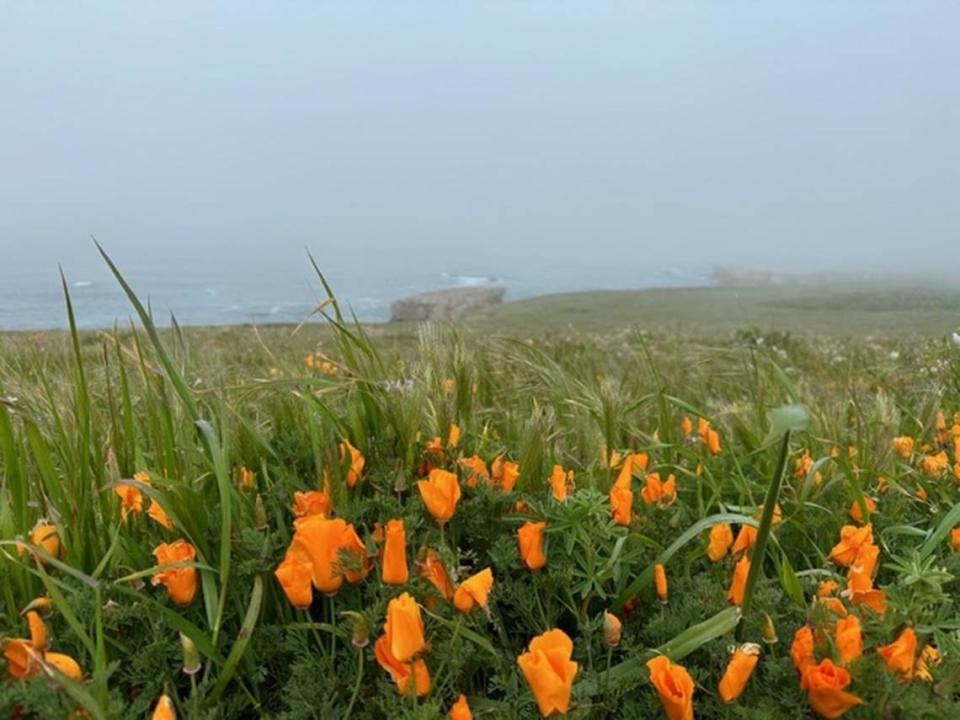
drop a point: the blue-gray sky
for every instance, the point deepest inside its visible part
(785, 133)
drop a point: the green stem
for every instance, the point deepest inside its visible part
(356, 684)
(763, 534)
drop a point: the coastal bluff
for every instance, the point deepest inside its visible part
(446, 304)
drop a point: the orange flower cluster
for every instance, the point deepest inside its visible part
(28, 656)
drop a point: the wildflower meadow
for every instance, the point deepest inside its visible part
(342, 521)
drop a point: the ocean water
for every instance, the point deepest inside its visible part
(200, 290)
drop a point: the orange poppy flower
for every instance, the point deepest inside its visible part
(657, 491)
(849, 640)
(65, 664)
(934, 465)
(801, 649)
(621, 497)
(22, 658)
(739, 581)
(45, 535)
(746, 537)
(401, 672)
(39, 637)
(855, 512)
(404, 628)
(660, 582)
(686, 426)
(713, 441)
(549, 671)
(432, 569)
(899, 655)
(504, 473)
(674, 686)
(440, 493)
(955, 539)
(903, 446)
(460, 710)
(321, 540)
(312, 502)
(876, 600)
(721, 538)
(473, 591)
(739, 669)
(827, 587)
(860, 574)
(394, 567)
(453, 435)
(181, 582)
(131, 498)
(475, 470)
(851, 538)
(825, 685)
(295, 575)
(164, 709)
(159, 515)
(248, 479)
(561, 482)
(611, 629)
(357, 462)
(530, 544)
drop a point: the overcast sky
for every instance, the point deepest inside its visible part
(769, 133)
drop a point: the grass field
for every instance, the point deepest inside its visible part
(219, 522)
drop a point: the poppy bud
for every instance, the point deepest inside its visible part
(611, 629)
(660, 582)
(768, 629)
(739, 669)
(361, 628)
(191, 656)
(259, 513)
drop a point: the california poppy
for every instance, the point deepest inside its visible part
(530, 544)
(801, 650)
(611, 629)
(401, 672)
(746, 537)
(45, 535)
(721, 538)
(739, 582)
(860, 573)
(955, 539)
(621, 496)
(131, 498)
(453, 435)
(394, 567)
(855, 511)
(404, 627)
(181, 582)
(674, 686)
(475, 470)
(321, 540)
(65, 664)
(899, 655)
(504, 473)
(311, 502)
(849, 640)
(561, 482)
(460, 710)
(934, 465)
(433, 570)
(159, 515)
(22, 658)
(357, 462)
(164, 709)
(473, 591)
(903, 446)
(39, 637)
(660, 582)
(739, 669)
(659, 492)
(549, 671)
(851, 538)
(440, 493)
(295, 575)
(825, 685)
(713, 441)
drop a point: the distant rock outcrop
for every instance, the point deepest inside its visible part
(445, 304)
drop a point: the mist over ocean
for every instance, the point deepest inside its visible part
(203, 286)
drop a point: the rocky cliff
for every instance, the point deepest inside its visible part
(445, 304)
